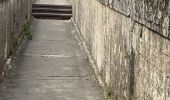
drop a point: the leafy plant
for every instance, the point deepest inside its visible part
(26, 30)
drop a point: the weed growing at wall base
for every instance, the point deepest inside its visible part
(26, 30)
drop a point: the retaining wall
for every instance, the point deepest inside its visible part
(13, 15)
(129, 41)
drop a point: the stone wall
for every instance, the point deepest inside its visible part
(129, 41)
(13, 15)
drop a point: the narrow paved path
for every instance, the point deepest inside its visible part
(50, 67)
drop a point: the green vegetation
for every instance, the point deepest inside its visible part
(26, 30)
(108, 93)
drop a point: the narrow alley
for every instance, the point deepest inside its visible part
(51, 66)
(84, 49)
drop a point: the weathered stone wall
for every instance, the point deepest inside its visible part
(13, 15)
(129, 41)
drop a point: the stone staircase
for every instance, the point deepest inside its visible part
(49, 11)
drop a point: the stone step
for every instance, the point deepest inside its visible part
(52, 6)
(52, 16)
(51, 10)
